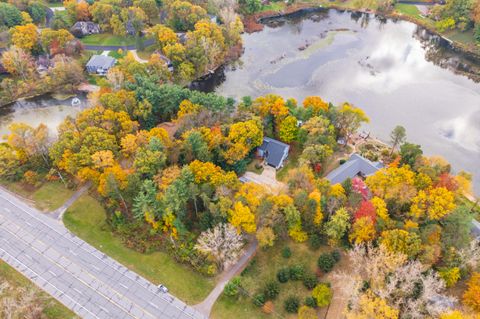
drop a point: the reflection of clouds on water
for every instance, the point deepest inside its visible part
(463, 130)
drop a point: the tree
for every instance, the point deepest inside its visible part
(366, 210)
(232, 287)
(10, 16)
(433, 204)
(194, 147)
(60, 38)
(10, 162)
(37, 12)
(117, 25)
(326, 262)
(291, 304)
(410, 153)
(146, 201)
(101, 13)
(337, 226)
(149, 7)
(305, 312)
(397, 137)
(82, 11)
(371, 306)
(471, 296)
(450, 275)
(316, 154)
(242, 218)
(363, 230)
(401, 241)
(349, 119)
(182, 15)
(322, 294)
(316, 103)
(288, 129)
(265, 237)
(18, 63)
(24, 36)
(163, 36)
(222, 243)
(394, 184)
(252, 6)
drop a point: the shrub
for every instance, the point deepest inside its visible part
(306, 312)
(450, 275)
(283, 275)
(232, 287)
(297, 272)
(336, 255)
(326, 262)
(271, 290)
(310, 281)
(315, 241)
(292, 304)
(471, 297)
(342, 161)
(322, 294)
(311, 302)
(259, 300)
(268, 307)
(286, 252)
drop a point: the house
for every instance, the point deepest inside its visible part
(273, 152)
(130, 29)
(83, 28)
(356, 165)
(100, 64)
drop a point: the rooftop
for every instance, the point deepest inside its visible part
(274, 151)
(355, 165)
(101, 61)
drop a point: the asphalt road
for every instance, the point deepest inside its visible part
(84, 279)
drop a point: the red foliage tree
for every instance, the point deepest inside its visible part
(366, 209)
(448, 181)
(359, 186)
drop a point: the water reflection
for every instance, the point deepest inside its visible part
(396, 71)
(44, 109)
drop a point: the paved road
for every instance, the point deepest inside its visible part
(81, 277)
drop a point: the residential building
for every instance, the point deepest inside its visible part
(273, 152)
(356, 165)
(100, 64)
(83, 28)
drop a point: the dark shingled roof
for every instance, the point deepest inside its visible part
(274, 151)
(355, 165)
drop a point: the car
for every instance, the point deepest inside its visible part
(162, 288)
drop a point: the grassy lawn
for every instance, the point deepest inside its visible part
(274, 6)
(292, 162)
(86, 218)
(117, 55)
(251, 167)
(408, 9)
(17, 284)
(462, 37)
(107, 39)
(264, 268)
(48, 197)
(146, 52)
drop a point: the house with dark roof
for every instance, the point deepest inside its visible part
(83, 28)
(356, 165)
(273, 152)
(100, 64)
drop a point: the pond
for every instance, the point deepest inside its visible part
(44, 109)
(397, 72)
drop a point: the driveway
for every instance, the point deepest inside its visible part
(84, 279)
(268, 178)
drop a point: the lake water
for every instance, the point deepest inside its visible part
(44, 109)
(395, 71)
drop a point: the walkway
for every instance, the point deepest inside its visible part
(85, 280)
(205, 307)
(58, 213)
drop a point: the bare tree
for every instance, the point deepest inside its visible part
(470, 255)
(222, 243)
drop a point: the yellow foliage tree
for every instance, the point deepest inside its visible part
(163, 35)
(187, 108)
(433, 204)
(401, 241)
(363, 230)
(393, 183)
(316, 103)
(265, 237)
(317, 197)
(24, 36)
(372, 307)
(242, 218)
(380, 208)
(251, 193)
(471, 297)
(450, 275)
(305, 312)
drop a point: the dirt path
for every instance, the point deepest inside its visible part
(205, 307)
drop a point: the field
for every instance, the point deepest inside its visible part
(105, 39)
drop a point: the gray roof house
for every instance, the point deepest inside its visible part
(83, 28)
(356, 165)
(100, 64)
(274, 152)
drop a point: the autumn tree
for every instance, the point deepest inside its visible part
(471, 296)
(222, 243)
(149, 7)
(242, 218)
(371, 306)
(322, 294)
(363, 230)
(183, 15)
(349, 119)
(24, 36)
(337, 226)
(163, 36)
(54, 41)
(288, 129)
(316, 104)
(396, 184)
(433, 204)
(401, 241)
(19, 63)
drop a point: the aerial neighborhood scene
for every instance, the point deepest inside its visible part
(240, 159)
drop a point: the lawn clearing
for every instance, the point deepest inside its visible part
(86, 219)
(18, 284)
(408, 9)
(48, 197)
(105, 39)
(263, 268)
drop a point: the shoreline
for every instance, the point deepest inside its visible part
(254, 23)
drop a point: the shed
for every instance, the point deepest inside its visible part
(356, 165)
(100, 64)
(274, 152)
